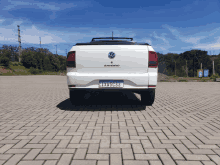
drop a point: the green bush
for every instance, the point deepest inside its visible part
(174, 76)
(33, 70)
(40, 71)
(4, 60)
(16, 64)
(183, 80)
(215, 76)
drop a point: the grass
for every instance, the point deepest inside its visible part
(187, 79)
(21, 70)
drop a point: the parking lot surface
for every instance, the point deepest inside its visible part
(39, 125)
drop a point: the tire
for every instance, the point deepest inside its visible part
(147, 97)
(76, 97)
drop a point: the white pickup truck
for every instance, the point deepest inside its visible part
(112, 64)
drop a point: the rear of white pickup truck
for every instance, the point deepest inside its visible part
(112, 65)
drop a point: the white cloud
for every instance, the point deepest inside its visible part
(192, 40)
(186, 39)
(30, 35)
(8, 35)
(45, 6)
(146, 41)
(216, 46)
(161, 38)
(162, 48)
(196, 38)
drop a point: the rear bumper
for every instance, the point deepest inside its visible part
(111, 90)
(131, 80)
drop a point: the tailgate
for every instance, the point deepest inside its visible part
(95, 58)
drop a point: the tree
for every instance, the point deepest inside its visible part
(217, 65)
(55, 62)
(170, 59)
(62, 60)
(198, 57)
(5, 58)
(27, 58)
(39, 58)
(46, 64)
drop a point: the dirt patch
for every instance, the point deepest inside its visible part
(162, 77)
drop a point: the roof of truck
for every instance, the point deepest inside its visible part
(112, 41)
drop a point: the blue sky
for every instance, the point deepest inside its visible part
(169, 26)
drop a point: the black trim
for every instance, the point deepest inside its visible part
(71, 64)
(111, 43)
(112, 38)
(112, 90)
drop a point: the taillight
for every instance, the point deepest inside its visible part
(71, 59)
(153, 60)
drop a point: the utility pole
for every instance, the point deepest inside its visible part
(175, 68)
(12, 55)
(40, 42)
(194, 65)
(66, 51)
(213, 68)
(56, 49)
(19, 40)
(201, 65)
(186, 69)
(112, 35)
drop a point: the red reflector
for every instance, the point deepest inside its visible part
(151, 86)
(72, 86)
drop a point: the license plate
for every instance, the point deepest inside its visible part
(111, 83)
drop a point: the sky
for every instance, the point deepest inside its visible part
(169, 26)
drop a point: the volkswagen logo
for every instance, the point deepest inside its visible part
(111, 55)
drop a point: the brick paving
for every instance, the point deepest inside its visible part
(39, 125)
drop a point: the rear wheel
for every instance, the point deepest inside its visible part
(147, 97)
